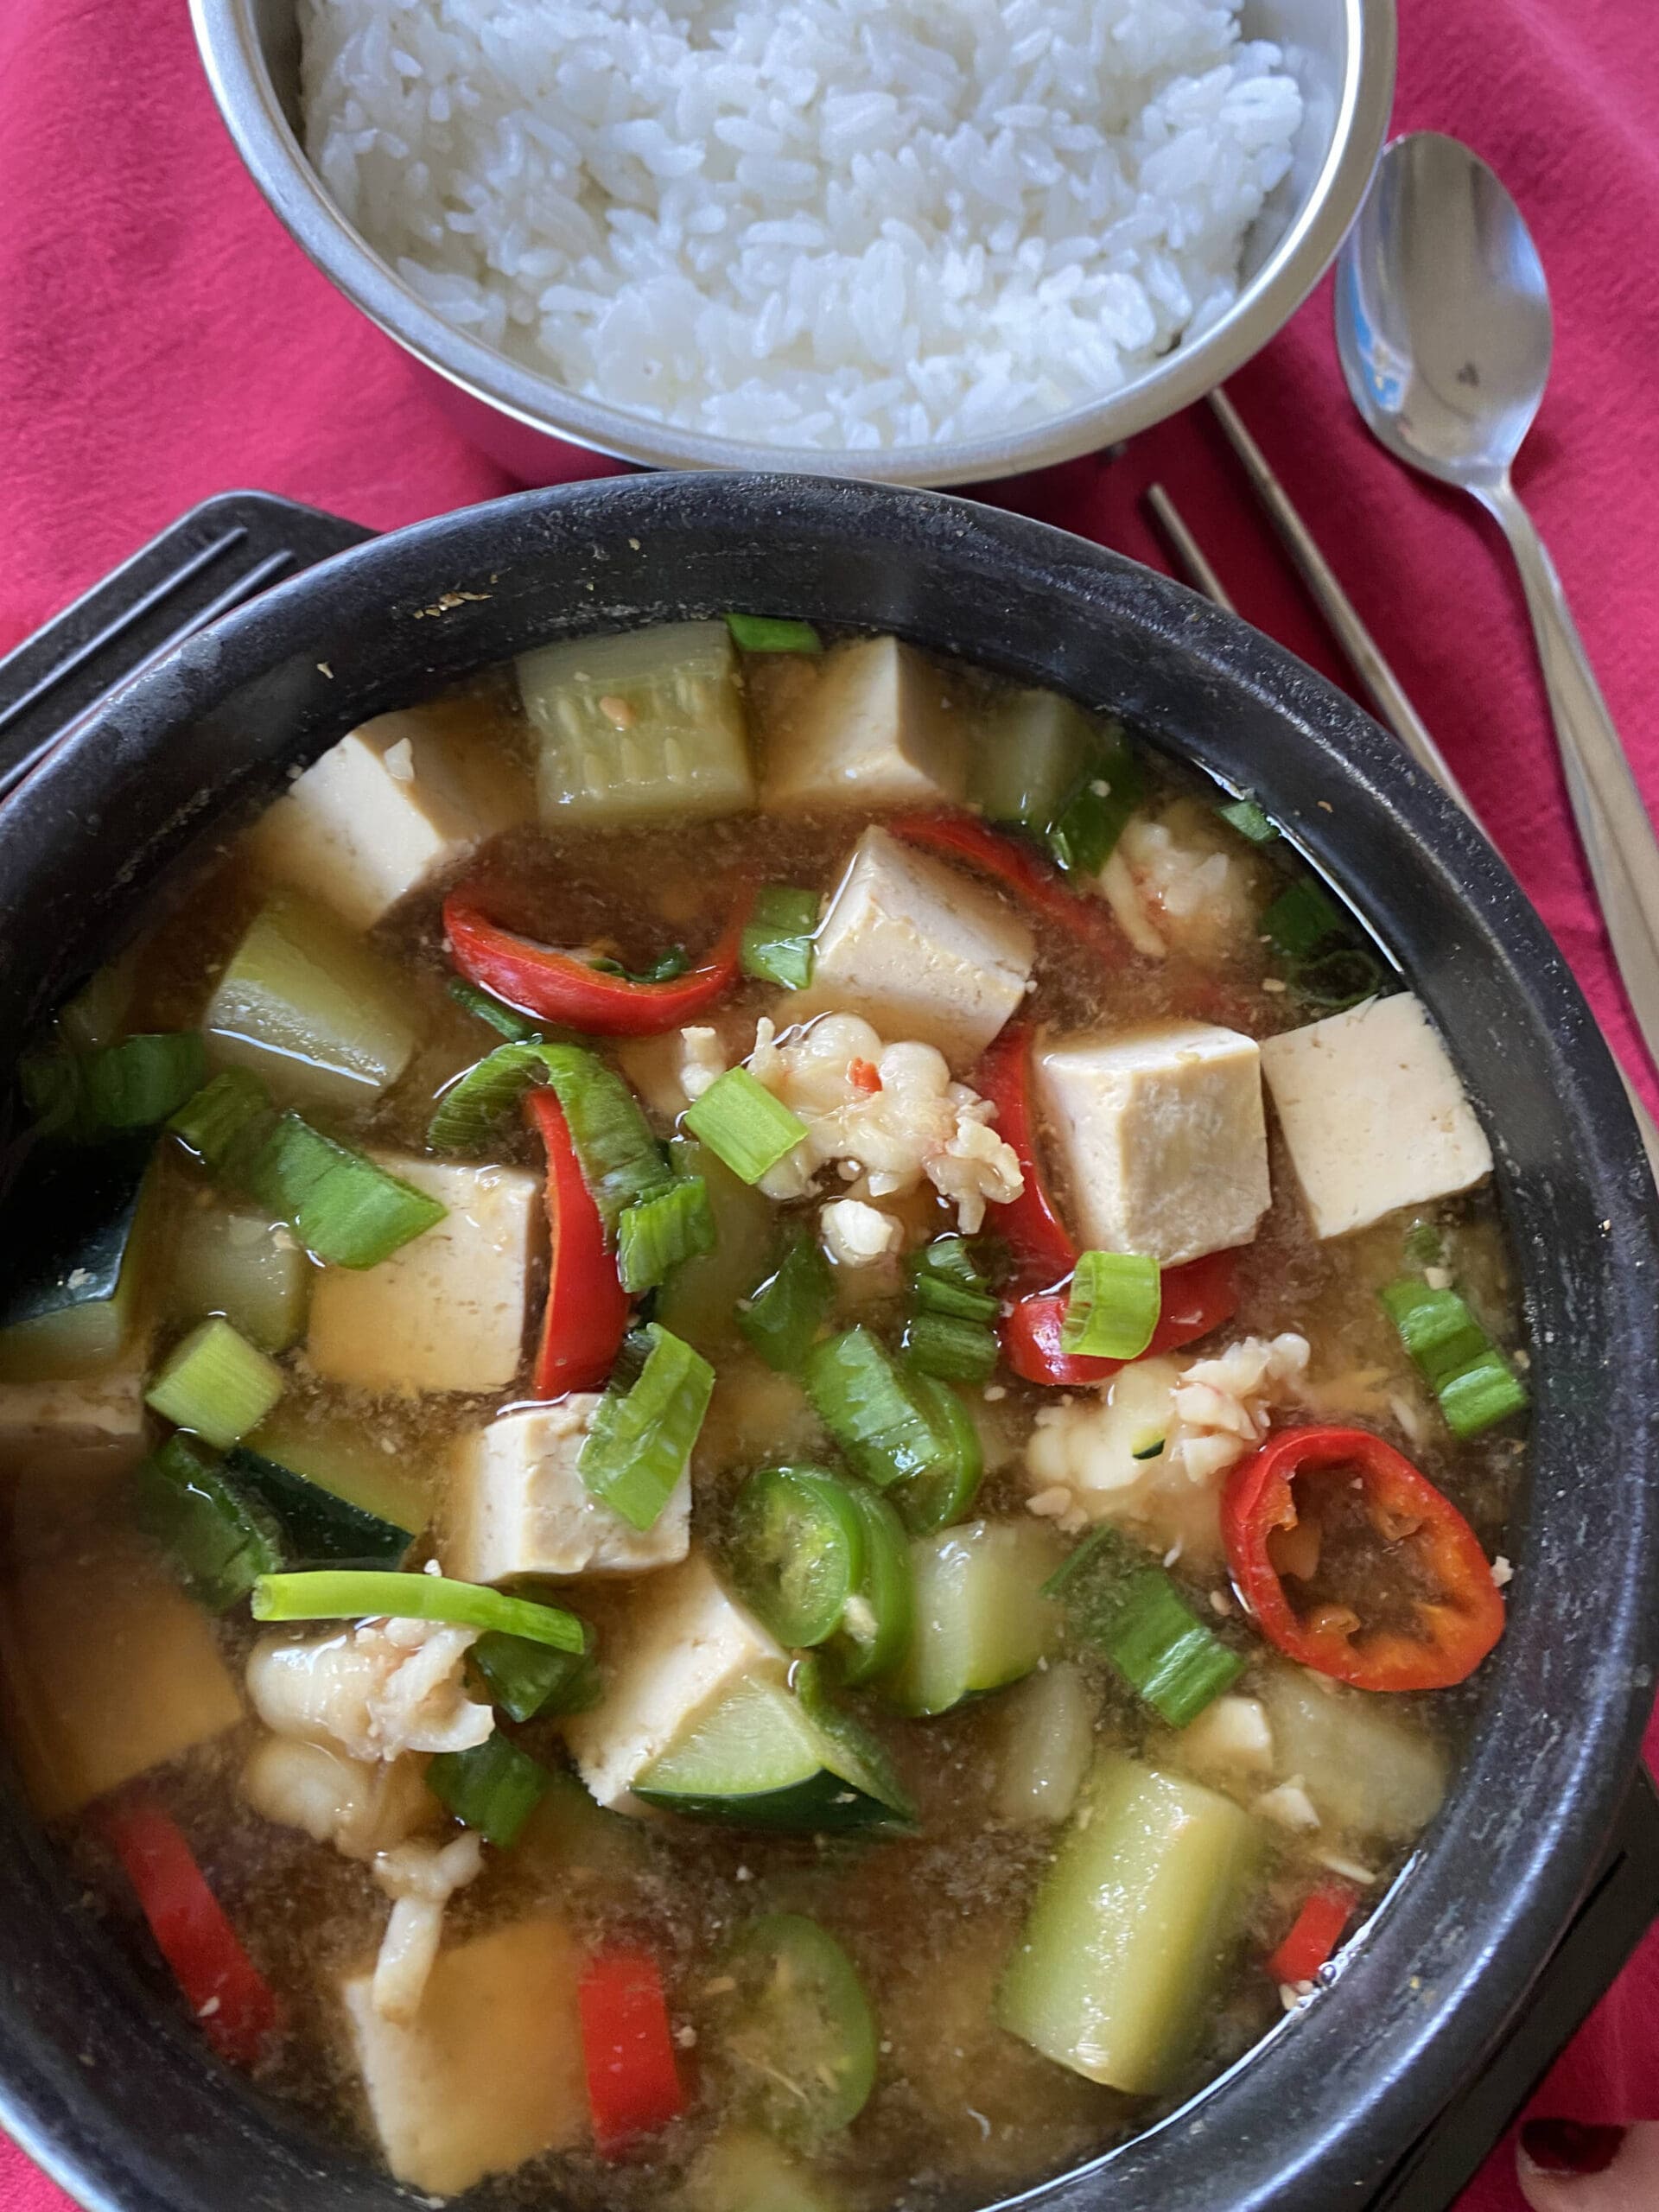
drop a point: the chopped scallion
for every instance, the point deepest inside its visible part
(1113, 1306)
(219, 1120)
(954, 1349)
(216, 1384)
(777, 938)
(643, 1431)
(743, 1125)
(1247, 817)
(341, 1206)
(863, 1401)
(348, 1593)
(1301, 919)
(655, 1235)
(1426, 1244)
(1091, 823)
(220, 1541)
(1474, 1382)
(526, 1679)
(945, 1278)
(1131, 1611)
(81, 1096)
(944, 1492)
(502, 1018)
(1343, 977)
(771, 633)
(782, 1317)
(494, 1787)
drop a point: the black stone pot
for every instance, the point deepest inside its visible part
(100, 2076)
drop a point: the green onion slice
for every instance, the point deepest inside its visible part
(656, 1234)
(348, 1593)
(946, 1277)
(944, 1492)
(343, 1207)
(868, 1406)
(506, 1021)
(954, 1349)
(643, 1434)
(1131, 1611)
(777, 936)
(526, 1679)
(218, 1121)
(220, 1541)
(1247, 817)
(493, 1787)
(1089, 826)
(797, 1552)
(782, 1317)
(1113, 1306)
(216, 1383)
(132, 1085)
(1475, 1384)
(744, 1125)
(1301, 919)
(770, 633)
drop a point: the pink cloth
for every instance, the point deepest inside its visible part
(160, 340)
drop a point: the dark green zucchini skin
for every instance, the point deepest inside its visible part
(318, 1529)
(70, 1214)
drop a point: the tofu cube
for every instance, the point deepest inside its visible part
(1160, 1137)
(92, 1423)
(870, 725)
(393, 804)
(517, 1505)
(488, 2072)
(106, 1669)
(920, 951)
(683, 1644)
(447, 1312)
(1373, 1115)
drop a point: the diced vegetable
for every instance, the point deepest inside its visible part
(770, 633)
(1324, 962)
(1111, 1312)
(761, 1759)
(944, 1492)
(218, 1540)
(1315, 1933)
(1302, 919)
(1082, 834)
(983, 1617)
(585, 1316)
(527, 1679)
(80, 1097)
(504, 1020)
(233, 1261)
(1426, 1244)
(1370, 1775)
(661, 1233)
(782, 1316)
(953, 1350)
(797, 1552)
(216, 1383)
(797, 2028)
(79, 1232)
(596, 997)
(878, 1619)
(1247, 817)
(346, 1594)
(777, 940)
(743, 1124)
(644, 1430)
(1046, 1741)
(699, 1301)
(871, 1410)
(1321, 1486)
(1030, 749)
(1197, 1298)
(633, 2085)
(946, 1278)
(223, 1121)
(330, 1450)
(306, 1005)
(1129, 1609)
(493, 1787)
(742, 2171)
(649, 722)
(226, 1994)
(318, 1529)
(1474, 1382)
(1132, 1927)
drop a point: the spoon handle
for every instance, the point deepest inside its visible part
(1613, 825)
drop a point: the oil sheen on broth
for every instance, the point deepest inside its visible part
(914, 1234)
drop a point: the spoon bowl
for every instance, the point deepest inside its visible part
(1443, 320)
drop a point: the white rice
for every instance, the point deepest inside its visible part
(838, 225)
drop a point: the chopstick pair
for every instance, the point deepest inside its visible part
(1365, 656)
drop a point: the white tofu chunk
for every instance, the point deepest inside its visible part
(870, 725)
(393, 804)
(516, 1504)
(1373, 1114)
(684, 1643)
(919, 950)
(1160, 1137)
(488, 2072)
(108, 1670)
(92, 1422)
(447, 1312)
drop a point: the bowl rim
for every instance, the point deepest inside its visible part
(1438, 1972)
(227, 41)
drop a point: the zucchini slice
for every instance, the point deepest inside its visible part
(981, 1618)
(319, 1528)
(762, 1759)
(78, 1231)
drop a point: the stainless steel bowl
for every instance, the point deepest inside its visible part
(1342, 53)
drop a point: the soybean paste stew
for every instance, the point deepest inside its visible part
(758, 1417)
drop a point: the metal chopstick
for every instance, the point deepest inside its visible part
(1386, 692)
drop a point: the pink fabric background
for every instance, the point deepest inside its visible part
(160, 340)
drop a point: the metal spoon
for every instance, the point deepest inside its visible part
(1443, 325)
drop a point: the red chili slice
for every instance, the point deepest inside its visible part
(1457, 1610)
(1019, 867)
(1039, 1240)
(633, 2084)
(235, 2007)
(586, 1317)
(1314, 1933)
(1197, 1298)
(557, 986)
